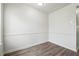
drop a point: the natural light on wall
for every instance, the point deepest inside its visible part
(40, 4)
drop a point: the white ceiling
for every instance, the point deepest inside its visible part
(48, 7)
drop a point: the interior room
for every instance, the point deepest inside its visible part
(39, 29)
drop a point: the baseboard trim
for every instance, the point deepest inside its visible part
(12, 50)
(75, 50)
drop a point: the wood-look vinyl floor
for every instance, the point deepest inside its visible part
(45, 49)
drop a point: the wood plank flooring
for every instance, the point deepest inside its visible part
(45, 49)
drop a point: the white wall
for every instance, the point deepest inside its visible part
(23, 27)
(62, 27)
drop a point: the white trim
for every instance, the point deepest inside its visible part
(75, 50)
(24, 47)
(14, 34)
